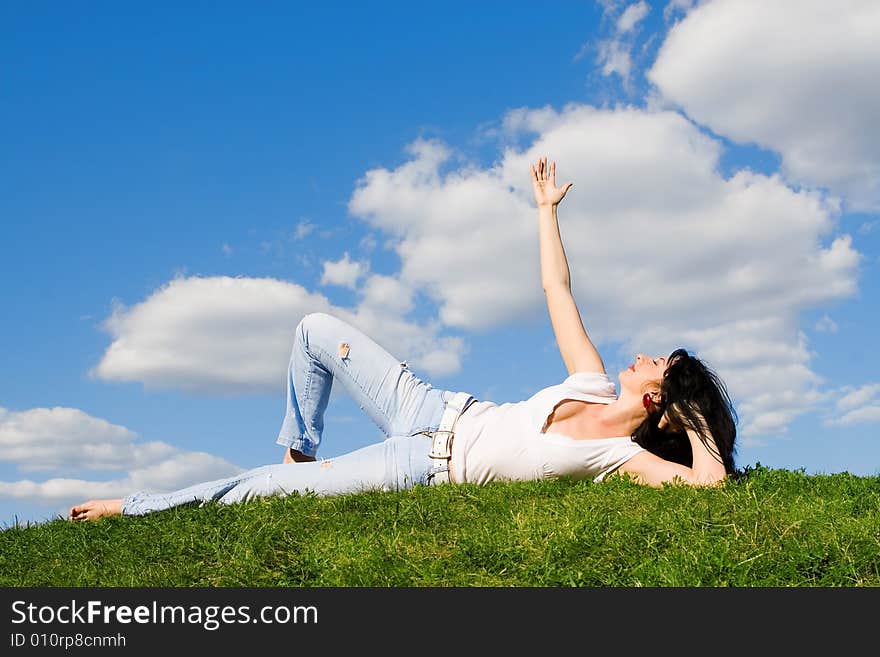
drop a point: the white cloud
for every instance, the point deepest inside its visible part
(419, 345)
(609, 6)
(675, 6)
(857, 405)
(859, 397)
(663, 250)
(49, 438)
(461, 237)
(766, 368)
(387, 292)
(860, 415)
(614, 55)
(826, 325)
(631, 16)
(70, 440)
(227, 334)
(368, 243)
(344, 272)
(204, 333)
(795, 76)
(303, 229)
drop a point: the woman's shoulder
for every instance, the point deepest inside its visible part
(591, 383)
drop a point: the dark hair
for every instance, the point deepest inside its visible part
(689, 385)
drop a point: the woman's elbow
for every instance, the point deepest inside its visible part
(706, 479)
(555, 286)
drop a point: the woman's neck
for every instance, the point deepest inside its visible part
(621, 417)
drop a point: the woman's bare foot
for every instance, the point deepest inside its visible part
(94, 509)
(295, 456)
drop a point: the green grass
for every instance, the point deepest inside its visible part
(769, 528)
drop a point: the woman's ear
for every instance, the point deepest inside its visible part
(651, 397)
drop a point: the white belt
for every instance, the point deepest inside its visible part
(441, 446)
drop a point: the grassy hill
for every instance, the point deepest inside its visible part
(769, 528)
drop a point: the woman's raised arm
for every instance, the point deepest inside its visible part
(577, 350)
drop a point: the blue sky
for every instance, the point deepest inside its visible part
(181, 183)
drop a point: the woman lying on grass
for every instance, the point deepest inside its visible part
(671, 422)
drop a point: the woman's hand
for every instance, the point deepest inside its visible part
(672, 416)
(708, 465)
(544, 183)
(667, 424)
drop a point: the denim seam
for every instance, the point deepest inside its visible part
(304, 439)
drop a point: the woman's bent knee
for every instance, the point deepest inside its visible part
(305, 326)
(314, 322)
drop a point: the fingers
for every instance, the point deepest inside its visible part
(540, 170)
(544, 171)
(537, 171)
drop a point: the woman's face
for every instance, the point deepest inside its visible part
(646, 372)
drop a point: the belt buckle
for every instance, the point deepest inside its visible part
(439, 477)
(440, 448)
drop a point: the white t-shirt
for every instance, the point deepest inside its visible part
(505, 442)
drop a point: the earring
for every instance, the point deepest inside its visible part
(646, 400)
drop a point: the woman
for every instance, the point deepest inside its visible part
(672, 420)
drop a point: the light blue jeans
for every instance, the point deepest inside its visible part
(403, 406)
